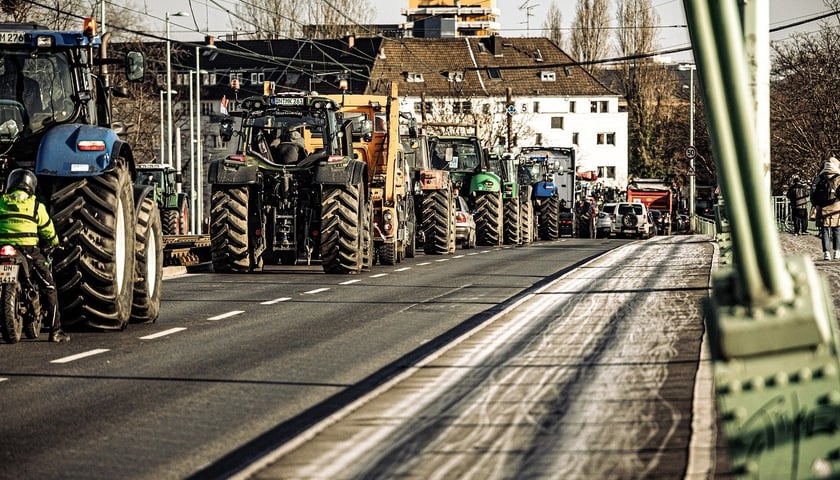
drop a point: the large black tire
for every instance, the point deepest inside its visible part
(550, 218)
(145, 306)
(489, 218)
(438, 210)
(169, 221)
(387, 254)
(229, 248)
(526, 221)
(512, 222)
(453, 240)
(342, 214)
(95, 275)
(368, 253)
(11, 325)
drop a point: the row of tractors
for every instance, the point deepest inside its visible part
(344, 180)
(366, 185)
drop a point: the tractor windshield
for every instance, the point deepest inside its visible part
(41, 83)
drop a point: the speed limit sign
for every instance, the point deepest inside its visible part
(690, 152)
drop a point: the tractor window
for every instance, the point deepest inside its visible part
(42, 83)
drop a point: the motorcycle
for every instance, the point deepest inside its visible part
(21, 311)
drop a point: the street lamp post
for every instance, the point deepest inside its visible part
(169, 87)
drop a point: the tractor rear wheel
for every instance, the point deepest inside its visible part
(512, 222)
(229, 230)
(550, 219)
(95, 274)
(526, 221)
(489, 218)
(438, 209)
(145, 306)
(342, 214)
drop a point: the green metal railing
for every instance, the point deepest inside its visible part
(773, 335)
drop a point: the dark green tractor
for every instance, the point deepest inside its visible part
(174, 206)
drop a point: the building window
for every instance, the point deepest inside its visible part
(557, 122)
(418, 108)
(462, 107)
(485, 108)
(257, 78)
(606, 139)
(572, 106)
(182, 79)
(606, 172)
(494, 73)
(536, 107)
(601, 106)
(414, 77)
(538, 140)
(575, 137)
(548, 76)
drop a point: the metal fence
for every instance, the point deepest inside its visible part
(781, 213)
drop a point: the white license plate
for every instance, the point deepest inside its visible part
(8, 273)
(11, 37)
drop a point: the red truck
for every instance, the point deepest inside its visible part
(658, 196)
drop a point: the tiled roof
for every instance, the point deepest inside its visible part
(516, 60)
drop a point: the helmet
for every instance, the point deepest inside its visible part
(21, 179)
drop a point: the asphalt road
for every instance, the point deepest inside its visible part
(237, 364)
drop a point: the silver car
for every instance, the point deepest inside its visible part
(605, 222)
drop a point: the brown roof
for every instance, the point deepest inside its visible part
(516, 60)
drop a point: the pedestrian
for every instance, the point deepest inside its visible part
(798, 194)
(828, 214)
(24, 223)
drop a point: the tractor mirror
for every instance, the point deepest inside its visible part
(226, 129)
(134, 66)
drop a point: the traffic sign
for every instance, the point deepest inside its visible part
(690, 152)
(511, 109)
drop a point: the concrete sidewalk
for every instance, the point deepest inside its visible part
(592, 376)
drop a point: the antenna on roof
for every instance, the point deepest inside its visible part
(527, 8)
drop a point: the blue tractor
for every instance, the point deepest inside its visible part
(55, 120)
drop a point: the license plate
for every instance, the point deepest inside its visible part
(8, 273)
(11, 37)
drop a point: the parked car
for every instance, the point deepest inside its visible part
(634, 220)
(661, 221)
(682, 223)
(464, 223)
(605, 222)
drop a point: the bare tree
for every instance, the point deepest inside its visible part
(552, 26)
(804, 106)
(648, 87)
(269, 19)
(590, 31)
(479, 115)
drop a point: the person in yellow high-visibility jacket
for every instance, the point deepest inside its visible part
(25, 223)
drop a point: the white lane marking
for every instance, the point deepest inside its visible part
(163, 333)
(3, 379)
(486, 251)
(424, 263)
(276, 300)
(442, 260)
(317, 290)
(77, 356)
(471, 254)
(458, 256)
(402, 269)
(349, 282)
(378, 275)
(226, 315)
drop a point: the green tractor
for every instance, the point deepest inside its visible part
(519, 224)
(174, 206)
(469, 170)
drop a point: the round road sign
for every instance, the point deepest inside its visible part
(690, 152)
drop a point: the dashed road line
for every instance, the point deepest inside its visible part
(471, 254)
(424, 263)
(226, 315)
(276, 300)
(3, 379)
(163, 333)
(78, 356)
(458, 256)
(402, 269)
(350, 282)
(442, 260)
(317, 290)
(378, 275)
